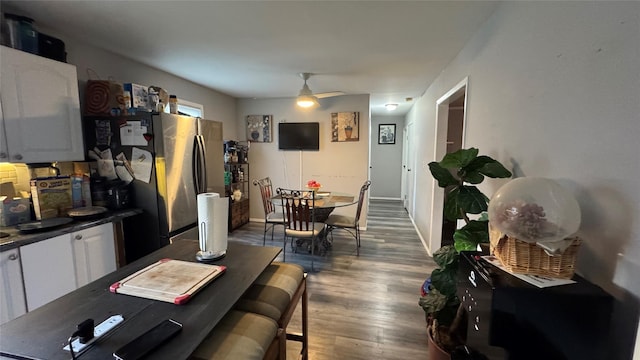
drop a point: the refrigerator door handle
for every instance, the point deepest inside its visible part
(203, 156)
(195, 165)
(199, 165)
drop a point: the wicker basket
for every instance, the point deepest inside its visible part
(525, 258)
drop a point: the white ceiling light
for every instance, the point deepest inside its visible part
(391, 107)
(305, 97)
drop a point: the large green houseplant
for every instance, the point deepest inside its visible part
(457, 173)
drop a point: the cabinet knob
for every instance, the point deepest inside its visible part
(18, 157)
(78, 237)
(13, 257)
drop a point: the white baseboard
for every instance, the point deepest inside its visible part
(383, 198)
(424, 242)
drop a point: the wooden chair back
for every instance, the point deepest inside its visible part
(297, 208)
(363, 190)
(266, 193)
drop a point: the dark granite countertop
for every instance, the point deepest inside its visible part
(17, 238)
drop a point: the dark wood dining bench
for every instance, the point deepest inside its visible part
(257, 326)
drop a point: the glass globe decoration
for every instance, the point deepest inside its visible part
(534, 209)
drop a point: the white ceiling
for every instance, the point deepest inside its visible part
(391, 50)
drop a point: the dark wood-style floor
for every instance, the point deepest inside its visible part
(362, 307)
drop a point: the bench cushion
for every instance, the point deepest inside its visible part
(239, 335)
(271, 293)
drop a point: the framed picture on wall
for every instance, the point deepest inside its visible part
(387, 134)
(259, 128)
(345, 126)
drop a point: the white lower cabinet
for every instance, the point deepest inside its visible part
(48, 270)
(59, 265)
(12, 300)
(94, 253)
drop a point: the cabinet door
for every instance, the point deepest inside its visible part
(41, 108)
(94, 253)
(12, 301)
(4, 150)
(48, 270)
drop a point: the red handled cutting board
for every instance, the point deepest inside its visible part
(169, 280)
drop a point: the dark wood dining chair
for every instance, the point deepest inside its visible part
(298, 214)
(349, 223)
(272, 218)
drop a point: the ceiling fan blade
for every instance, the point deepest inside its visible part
(329, 94)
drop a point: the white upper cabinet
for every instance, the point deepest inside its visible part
(40, 109)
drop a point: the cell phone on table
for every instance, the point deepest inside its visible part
(148, 341)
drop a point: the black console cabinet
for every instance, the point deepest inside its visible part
(512, 319)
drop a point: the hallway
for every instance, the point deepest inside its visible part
(363, 307)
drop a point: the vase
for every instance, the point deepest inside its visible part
(348, 131)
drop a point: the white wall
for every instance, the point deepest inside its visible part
(338, 166)
(554, 91)
(96, 64)
(386, 160)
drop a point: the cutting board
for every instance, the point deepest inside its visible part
(169, 280)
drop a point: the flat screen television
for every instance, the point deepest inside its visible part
(299, 136)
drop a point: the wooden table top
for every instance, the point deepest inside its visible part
(42, 333)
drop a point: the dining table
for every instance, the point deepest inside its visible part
(325, 202)
(43, 332)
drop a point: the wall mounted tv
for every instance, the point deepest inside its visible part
(299, 136)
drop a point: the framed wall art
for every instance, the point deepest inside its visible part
(345, 126)
(387, 134)
(259, 128)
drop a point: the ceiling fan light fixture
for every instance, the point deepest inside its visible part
(306, 98)
(306, 101)
(391, 107)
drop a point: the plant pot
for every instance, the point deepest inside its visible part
(434, 351)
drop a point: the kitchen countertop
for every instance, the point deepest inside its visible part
(17, 238)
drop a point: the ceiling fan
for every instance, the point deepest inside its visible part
(306, 98)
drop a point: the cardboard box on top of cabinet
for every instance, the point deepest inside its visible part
(139, 95)
(51, 196)
(14, 211)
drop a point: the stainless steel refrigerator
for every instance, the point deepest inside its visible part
(187, 159)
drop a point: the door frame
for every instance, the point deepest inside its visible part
(410, 175)
(440, 149)
(403, 179)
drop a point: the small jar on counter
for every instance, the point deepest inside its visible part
(173, 104)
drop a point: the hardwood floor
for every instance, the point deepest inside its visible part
(362, 307)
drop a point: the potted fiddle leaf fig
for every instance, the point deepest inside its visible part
(457, 173)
